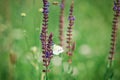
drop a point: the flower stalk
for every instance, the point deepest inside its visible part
(61, 25)
(114, 31)
(70, 43)
(45, 39)
(109, 73)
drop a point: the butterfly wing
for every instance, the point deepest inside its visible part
(57, 49)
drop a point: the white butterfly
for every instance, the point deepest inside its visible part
(57, 49)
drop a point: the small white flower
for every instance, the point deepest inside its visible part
(23, 14)
(40, 9)
(57, 49)
(34, 49)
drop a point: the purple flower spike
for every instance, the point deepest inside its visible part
(114, 8)
(69, 34)
(47, 54)
(112, 51)
(48, 4)
(45, 11)
(62, 6)
(71, 18)
(45, 40)
(61, 23)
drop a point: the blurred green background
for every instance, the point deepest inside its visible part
(20, 47)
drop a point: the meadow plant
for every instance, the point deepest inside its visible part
(116, 8)
(61, 25)
(114, 31)
(45, 40)
(70, 43)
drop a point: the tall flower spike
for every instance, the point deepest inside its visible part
(49, 47)
(116, 8)
(61, 25)
(114, 31)
(70, 44)
(44, 32)
(45, 40)
(49, 52)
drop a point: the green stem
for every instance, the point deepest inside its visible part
(46, 73)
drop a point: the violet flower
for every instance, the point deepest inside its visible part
(116, 5)
(62, 4)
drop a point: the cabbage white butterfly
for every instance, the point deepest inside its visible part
(57, 49)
